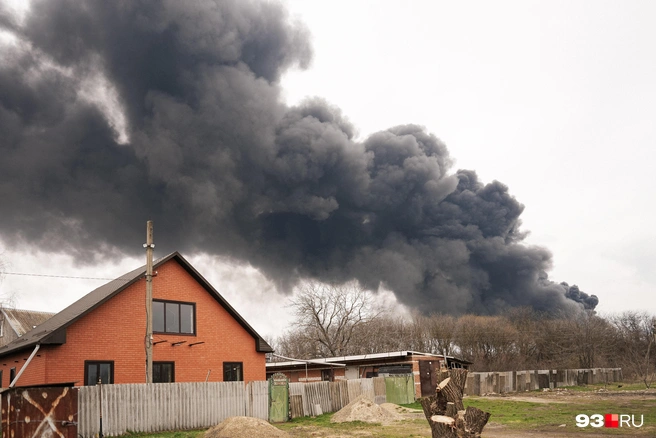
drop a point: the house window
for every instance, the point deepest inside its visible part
(232, 372)
(12, 375)
(1, 380)
(163, 372)
(174, 317)
(97, 370)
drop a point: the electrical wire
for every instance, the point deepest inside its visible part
(63, 276)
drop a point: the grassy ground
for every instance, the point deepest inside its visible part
(531, 414)
(520, 415)
(620, 387)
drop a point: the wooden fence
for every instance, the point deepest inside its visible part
(308, 399)
(179, 406)
(167, 406)
(519, 381)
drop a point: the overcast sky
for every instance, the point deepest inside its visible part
(553, 99)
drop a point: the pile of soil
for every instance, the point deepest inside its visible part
(245, 427)
(364, 409)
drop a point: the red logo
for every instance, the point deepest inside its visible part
(611, 420)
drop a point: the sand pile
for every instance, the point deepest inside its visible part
(245, 427)
(364, 409)
(394, 408)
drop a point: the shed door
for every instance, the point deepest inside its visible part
(278, 398)
(428, 376)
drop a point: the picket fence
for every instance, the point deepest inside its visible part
(518, 381)
(182, 406)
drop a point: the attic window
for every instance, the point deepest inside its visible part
(174, 317)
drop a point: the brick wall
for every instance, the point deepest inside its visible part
(313, 375)
(115, 331)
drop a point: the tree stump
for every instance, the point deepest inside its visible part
(451, 410)
(449, 390)
(475, 419)
(442, 427)
(445, 411)
(429, 404)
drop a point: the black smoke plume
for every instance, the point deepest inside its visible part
(116, 112)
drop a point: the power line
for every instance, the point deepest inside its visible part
(63, 276)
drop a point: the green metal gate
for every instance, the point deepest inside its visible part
(400, 389)
(278, 398)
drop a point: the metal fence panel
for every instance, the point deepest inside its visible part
(39, 412)
(400, 389)
(258, 400)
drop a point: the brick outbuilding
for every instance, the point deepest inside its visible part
(424, 368)
(197, 335)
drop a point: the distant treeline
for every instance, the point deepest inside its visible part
(521, 339)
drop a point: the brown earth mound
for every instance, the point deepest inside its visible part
(364, 409)
(245, 427)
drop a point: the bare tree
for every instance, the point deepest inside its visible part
(637, 344)
(7, 298)
(487, 341)
(591, 338)
(382, 334)
(441, 332)
(294, 343)
(328, 316)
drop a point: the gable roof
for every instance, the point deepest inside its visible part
(53, 331)
(22, 321)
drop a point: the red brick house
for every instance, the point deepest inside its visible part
(197, 335)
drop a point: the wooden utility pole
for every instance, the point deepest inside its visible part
(149, 301)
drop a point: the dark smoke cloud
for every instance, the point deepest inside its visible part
(113, 113)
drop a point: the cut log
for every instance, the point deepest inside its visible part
(459, 377)
(449, 389)
(449, 421)
(445, 411)
(475, 420)
(429, 405)
(451, 410)
(442, 427)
